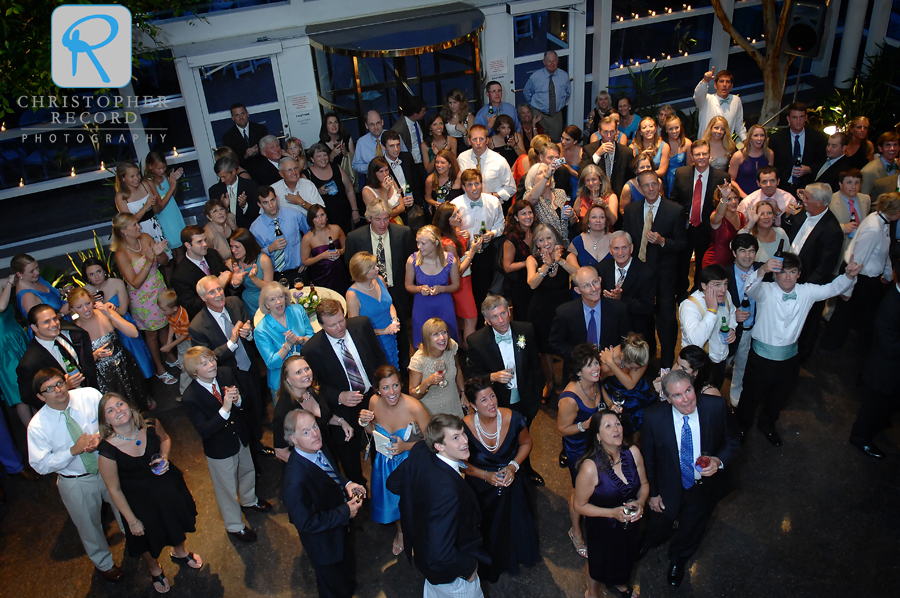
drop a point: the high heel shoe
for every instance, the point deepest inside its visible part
(580, 548)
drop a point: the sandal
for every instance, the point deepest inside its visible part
(580, 548)
(190, 559)
(397, 548)
(626, 593)
(167, 378)
(160, 579)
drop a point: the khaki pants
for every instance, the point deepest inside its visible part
(234, 484)
(84, 498)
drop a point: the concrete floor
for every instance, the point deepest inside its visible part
(815, 517)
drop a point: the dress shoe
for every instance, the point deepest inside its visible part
(245, 535)
(868, 448)
(675, 575)
(774, 438)
(28, 473)
(535, 478)
(563, 459)
(261, 506)
(266, 450)
(114, 574)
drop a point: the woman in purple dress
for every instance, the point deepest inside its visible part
(432, 275)
(321, 250)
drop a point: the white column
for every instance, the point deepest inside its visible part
(721, 40)
(577, 31)
(195, 107)
(496, 47)
(853, 29)
(881, 16)
(602, 34)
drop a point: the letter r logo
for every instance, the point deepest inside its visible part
(91, 46)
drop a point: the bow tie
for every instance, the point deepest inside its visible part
(476, 204)
(503, 338)
(789, 296)
(725, 101)
(891, 168)
(745, 276)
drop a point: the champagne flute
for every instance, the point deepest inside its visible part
(511, 370)
(440, 366)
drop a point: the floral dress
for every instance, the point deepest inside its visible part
(142, 304)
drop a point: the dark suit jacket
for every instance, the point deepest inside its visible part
(882, 369)
(621, 164)
(832, 176)
(683, 193)
(484, 358)
(781, 142)
(718, 437)
(233, 139)
(206, 332)
(244, 217)
(403, 131)
(885, 184)
(669, 223)
(821, 253)
(327, 365)
(401, 248)
(222, 438)
(568, 328)
(263, 171)
(439, 515)
(416, 185)
(185, 278)
(638, 291)
(37, 358)
(735, 298)
(318, 508)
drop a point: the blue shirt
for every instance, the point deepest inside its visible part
(587, 317)
(365, 152)
(537, 89)
(748, 323)
(505, 108)
(292, 226)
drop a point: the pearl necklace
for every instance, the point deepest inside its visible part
(482, 435)
(140, 246)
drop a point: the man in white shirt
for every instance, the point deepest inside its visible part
(702, 316)
(495, 173)
(294, 192)
(62, 438)
(774, 364)
(767, 178)
(722, 103)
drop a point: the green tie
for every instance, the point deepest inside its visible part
(88, 459)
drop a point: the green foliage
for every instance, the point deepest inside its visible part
(646, 90)
(99, 252)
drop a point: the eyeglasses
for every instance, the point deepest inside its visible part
(54, 387)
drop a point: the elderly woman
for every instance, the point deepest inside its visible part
(335, 187)
(610, 492)
(257, 267)
(400, 418)
(551, 205)
(147, 489)
(435, 377)
(32, 289)
(282, 332)
(219, 228)
(602, 107)
(623, 379)
(499, 443)
(725, 223)
(321, 250)
(368, 296)
(580, 399)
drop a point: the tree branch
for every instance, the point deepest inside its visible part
(742, 41)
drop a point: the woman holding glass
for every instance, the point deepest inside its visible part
(256, 266)
(435, 140)
(282, 332)
(435, 377)
(443, 184)
(505, 141)
(368, 296)
(381, 185)
(335, 188)
(761, 224)
(627, 392)
(455, 240)
(610, 492)
(432, 275)
(335, 136)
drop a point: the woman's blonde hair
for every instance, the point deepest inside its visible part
(727, 141)
(430, 327)
(635, 350)
(74, 295)
(119, 222)
(105, 428)
(432, 232)
(269, 289)
(360, 265)
(767, 202)
(122, 169)
(681, 135)
(539, 146)
(765, 146)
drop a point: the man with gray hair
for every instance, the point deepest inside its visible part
(264, 167)
(293, 191)
(238, 193)
(632, 282)
(547, 92)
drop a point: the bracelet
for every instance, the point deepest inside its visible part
(580, 427)
(417, 390)
(544, 274)
(354, 210)
(515, 465)
(484, 475)
(136, 521)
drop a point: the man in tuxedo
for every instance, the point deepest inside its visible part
(817, 238)
(797, 149)
(694, 191)
(403, 170)
(391, 244)
(244, 135)
(590, 319)
(56, 344)
(680, 431)
(439, 511)
(848, 205)
(744, 247)
(344, 356)
(613, 157)
(632, 282)
(198, 263)
(236, 192)
(884, 164)
(500, 343)
(215, 402)
(835, 161)
(316, 496)
(409, 127)
(224, 327)
(264, 167)
(659, 224)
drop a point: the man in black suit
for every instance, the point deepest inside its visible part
(344, 356)
(439, 512)
(391, 244)
(817, 237)
(316, 495)
(632, 282)
(694, 190)
(409, 126)
(244, 135)
(238, 193)
(224, 328)
(56, 344)
(829, 171)
(612, 157)
(499, 344)
(797, 149)
(197, 263)
(216, 406)
(403, 170)
(579, 322)
(264, 167)
(680, 431)
(657, 225)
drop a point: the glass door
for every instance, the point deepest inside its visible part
(533, 34)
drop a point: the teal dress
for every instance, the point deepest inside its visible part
(136, 346)
(250, 294)
(385, 504)
(675, 161)
(269, 337)
(170, 219)
(51, 298)
(13, 343)
(379, 313)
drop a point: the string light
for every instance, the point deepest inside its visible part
(73, 171)
(102, 165)
(3, 128)
(175, 149)
(21, 182)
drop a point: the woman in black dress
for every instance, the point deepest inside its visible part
(520, 223)
(335, 188)
(498, 443)
(610, 491)
(148, 490)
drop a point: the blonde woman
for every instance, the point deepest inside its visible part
(138, 197)
(432, 275)
(282, 332)
(746, 163)
(721, 145)
(435, 377)
(368, 296)
(679, 149)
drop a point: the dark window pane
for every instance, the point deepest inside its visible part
(156, 77)
(168, 129)
(749, 22)
(538, 32)
(625, 8)
(673, 83)
(250, 82)
(659, 40)
(523, 72)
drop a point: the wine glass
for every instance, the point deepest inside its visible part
(630, 508)
(618, 398)
(284, 282)
(157, 464)
(501, 490)
(440, 366)
(700, 464)
(511, 370)
(475, 238)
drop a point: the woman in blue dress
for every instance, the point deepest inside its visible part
(369, 296)
(401, 418)
(282, 332)
(169, 215)
(32, 289)
(581, 399)
(256, 267)
(13, 343)
(628, 122)
(623, 376)
(432, 275)
(679, 149)
(632, 190)
(592, 245)
(648, 140)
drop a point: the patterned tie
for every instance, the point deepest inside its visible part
(687, 455)
(592, 330)
(648, 226)
(552, 101)
(608, 158)
(88, 459)
(205, 267)
(477, 162)
(503, 338)
(621, 280)
(240, 354)
(696, 201)
(379, 151)
(476, 204)
(323, 463)
(278, 258)
(380, 260)
(356, 381)
(67, 354)
(852, 207)
(217, 394)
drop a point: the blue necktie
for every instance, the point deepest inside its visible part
(592, 330)
(418, 135)
(323, 463)
(797, 153)
(687, 455)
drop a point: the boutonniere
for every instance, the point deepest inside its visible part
(520, 341)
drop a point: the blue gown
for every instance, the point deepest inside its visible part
(636, 194)
(636, 400)
(575, 444)
(170, 219)
(385, 504)
(674, 162)
(584, 256)
(250, 294)
(51, 298)
(379, 313)
(433, 306)
(136, 346)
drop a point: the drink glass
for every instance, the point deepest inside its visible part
(511, 370)
(617, 397)
(501, 490)
(158, 464)
(440, 366)
(631, 508)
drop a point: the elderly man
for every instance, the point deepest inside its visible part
(244, 136)
(798, 147)
(829, 172)
(496, 177)
(235, 192)
(264, 167)
(884, 164)
(294, 192)
(632, 282)
(279, 231)
(547, 92)
(495, 106)
(320, 501)
(610, 155)
(369, 145)
(197, 263)
(721, 103)
(767, 178)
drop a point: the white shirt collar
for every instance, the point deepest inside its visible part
(449, 461)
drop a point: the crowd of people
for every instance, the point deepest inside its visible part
(367, 287)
